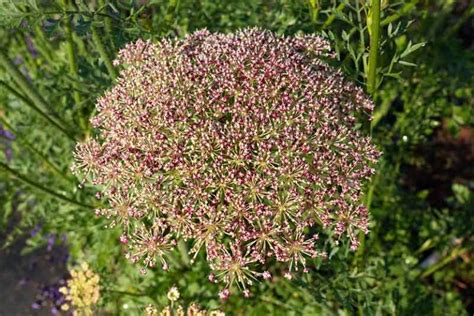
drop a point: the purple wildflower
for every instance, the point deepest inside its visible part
(50, 297)
(6, 137)
(51, 241)
(244, 143)
(6, 133)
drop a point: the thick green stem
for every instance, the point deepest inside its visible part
(368, 204)
(314, 10)
(361, 36)
(32, 148)
(71, 54)
(73, 67)
(374, 32)
(102, 52)
(33, 106)
(40, 104)
(107, 25)
(40, 187)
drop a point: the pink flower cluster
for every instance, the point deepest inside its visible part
(245, 143)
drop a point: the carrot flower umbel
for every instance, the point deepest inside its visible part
(247, 144)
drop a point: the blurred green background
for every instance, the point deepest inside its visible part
(55, 60)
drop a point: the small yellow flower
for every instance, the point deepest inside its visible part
(179, 310)
(82, 291)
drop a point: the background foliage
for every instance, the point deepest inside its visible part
(55, 59)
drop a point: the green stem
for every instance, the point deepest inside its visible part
(29, 62)
(30, 146)
(468, 13)
(107, 25)
(43, 45)
(126, 293)
(314, 10)
(368, 204)
(77, 12)
(40, 187)
(273, 301)
(33, 106)
(332, 17)
(456, 252)
(184, 252)
(168, 19)
(37, 102)
(374, 32)
(361, 37)
(400, 12)
(102, 52)
(71, 54)
(73, 68)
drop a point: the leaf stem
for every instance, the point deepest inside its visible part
(78, 12)
(31, 147)
(184, 252)
(374, 33)
(456, 252)
(72, 58)
(102, 52)
(38, 103)
(362, 38)
(400, 12)
(333, 16)
(73, 68)
(126, 293)
(107, 25)
(40, 187)
(43, 45)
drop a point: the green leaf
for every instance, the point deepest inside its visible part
(412, 48)
(405, 63)
(461, 193)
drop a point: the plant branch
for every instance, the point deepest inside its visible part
(40, 187)
(33, 106)
(72, 58)
(31, 147)
(107, 25)
(333, 16)
(455, 253)
(374, 32)
(102, 52)
(37, 102)
(127, 293)
(78, 12)
(400, 12)
(42, 44)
